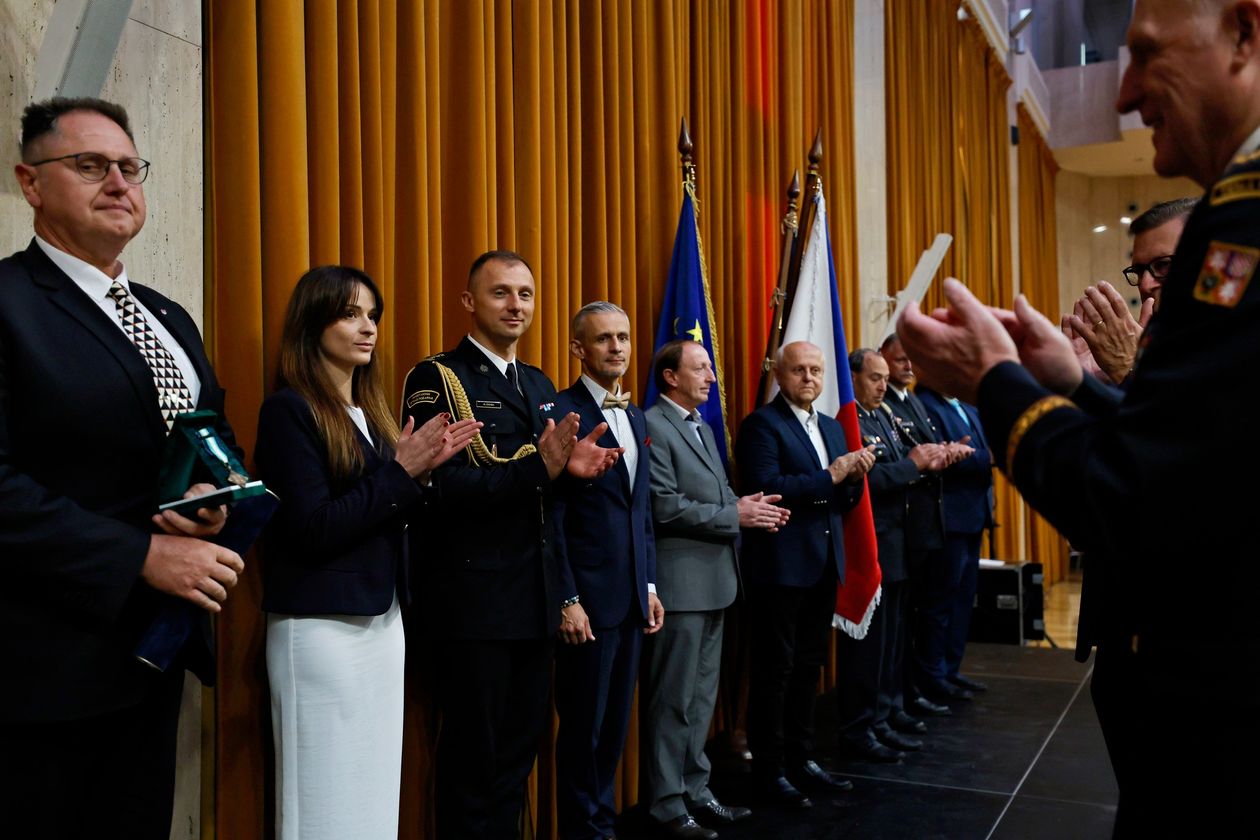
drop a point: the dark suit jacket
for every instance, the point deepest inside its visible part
(333, 546)
(890, 481)
(968, 485)
(605, 550)
(925, 528)
(775, 455)
(489, 539)
(1184, 562)
(81, 445)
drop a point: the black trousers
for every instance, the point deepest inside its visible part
(789, 642)
(107, 776)
(871, 672)
(494, 701)
(1182, 727)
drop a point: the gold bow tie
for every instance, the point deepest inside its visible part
(621, 401)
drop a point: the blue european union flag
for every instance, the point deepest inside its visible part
(687, 312)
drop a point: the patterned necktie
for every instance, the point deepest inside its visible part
(174, 398)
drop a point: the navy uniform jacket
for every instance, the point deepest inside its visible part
(81, 445)
(925, 529)
(890, 481)
(1141, 484)
(968, 485)
(606, 551)
(488, 543)
(333, 546)
(775, 455)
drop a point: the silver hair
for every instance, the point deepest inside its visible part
(590, 309)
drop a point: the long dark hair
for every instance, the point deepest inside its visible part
(320, 299)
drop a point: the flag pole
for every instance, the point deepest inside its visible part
(789, 228)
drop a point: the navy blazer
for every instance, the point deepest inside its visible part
(968, 485)
(775, 455)
(81, 445)
(605, 549)
(333, 547)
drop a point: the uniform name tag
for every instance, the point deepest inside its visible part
(421, 397)
(489, 404)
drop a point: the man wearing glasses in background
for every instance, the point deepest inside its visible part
(1103, 332)
(93, 369)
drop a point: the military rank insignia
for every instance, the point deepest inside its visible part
(1225, 274)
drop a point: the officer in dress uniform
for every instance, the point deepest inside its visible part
(491, 580)
(1094, 463)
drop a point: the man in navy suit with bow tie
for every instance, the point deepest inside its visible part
(788, 448)
(606, 562)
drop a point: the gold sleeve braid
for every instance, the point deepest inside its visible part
(1031, 415)
(457, 399)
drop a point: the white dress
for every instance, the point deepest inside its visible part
(337, 718)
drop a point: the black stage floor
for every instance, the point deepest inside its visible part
(1023, 761)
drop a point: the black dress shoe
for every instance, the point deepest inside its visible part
(927, 707)
(868, 749)
(809, 774)
(715, 813)
(967, 683)
(777, 790)
(946, 691)
(896, 741)
(685, 828)
(903, 722)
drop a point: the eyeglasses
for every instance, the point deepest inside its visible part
(94, 167)
(1158, 268)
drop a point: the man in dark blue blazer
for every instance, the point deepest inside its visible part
(87, 732)
(788, 448)
(606, 561)
(950, 576)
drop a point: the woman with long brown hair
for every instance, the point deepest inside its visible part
(334, 560)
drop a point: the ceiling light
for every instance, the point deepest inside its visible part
(1099, 228)
(1125, 220)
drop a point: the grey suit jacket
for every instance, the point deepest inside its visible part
(695, 517)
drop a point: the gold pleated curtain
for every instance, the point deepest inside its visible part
(949, 172)
(1039, 281)
(948, 148)
(407, 137)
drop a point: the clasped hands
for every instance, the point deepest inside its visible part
(1103, 333)
(562, 449)
(852, 465)
(953, 348)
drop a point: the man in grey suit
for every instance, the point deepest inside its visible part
(697, 518)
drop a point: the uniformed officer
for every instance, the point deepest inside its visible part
(489, 552)
(1189, 657)
(874, 722)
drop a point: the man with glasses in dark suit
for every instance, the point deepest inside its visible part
(94, 368)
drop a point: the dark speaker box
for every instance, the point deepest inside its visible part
(1009, 604)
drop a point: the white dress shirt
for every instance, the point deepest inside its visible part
(618, 423)
(809, 419)
(96, 285)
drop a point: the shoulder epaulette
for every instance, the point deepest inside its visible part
(436, 357)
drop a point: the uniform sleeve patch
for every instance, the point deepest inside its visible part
(422, 397)
(1236, 188)
(1225, 274)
